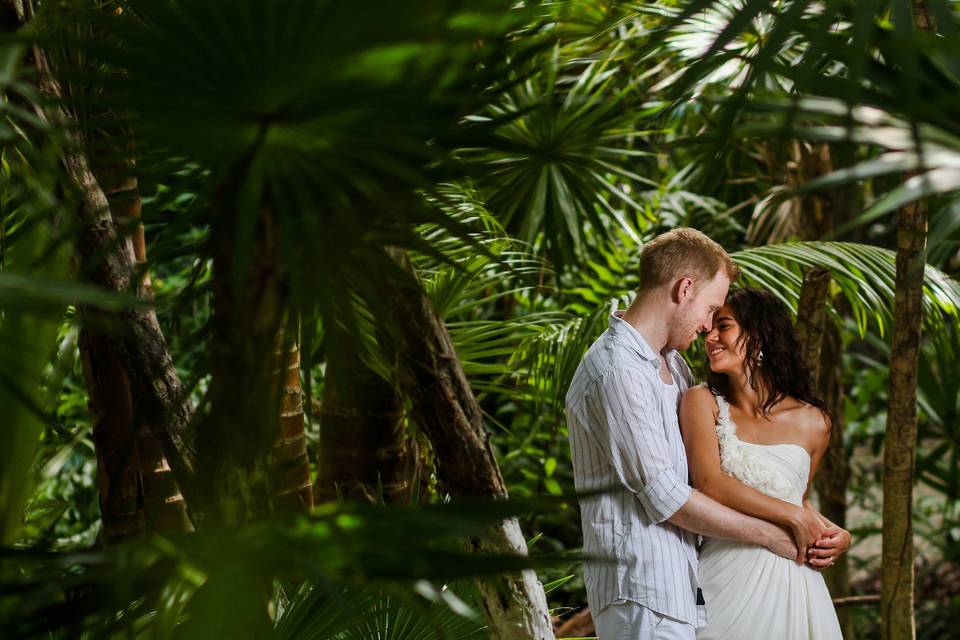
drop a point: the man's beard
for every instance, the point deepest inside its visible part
(683, 333)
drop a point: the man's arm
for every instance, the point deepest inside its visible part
(701, 514)
(698, 419)
(627, 428)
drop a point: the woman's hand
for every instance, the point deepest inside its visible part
(826, 550)
(807, 529)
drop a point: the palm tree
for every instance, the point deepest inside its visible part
(281, 181)
(291, 482)
(365, 452)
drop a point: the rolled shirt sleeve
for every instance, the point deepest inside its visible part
(626, 417)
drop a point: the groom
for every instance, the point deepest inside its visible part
(622, 418)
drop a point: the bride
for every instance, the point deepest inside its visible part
(754, 436)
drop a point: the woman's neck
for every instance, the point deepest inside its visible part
(746, 398)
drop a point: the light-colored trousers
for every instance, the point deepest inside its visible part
(631, 621)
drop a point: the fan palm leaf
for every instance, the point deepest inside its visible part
(558, 166)
(330, 122)
(379, 614)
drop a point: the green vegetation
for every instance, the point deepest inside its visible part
(291, 291)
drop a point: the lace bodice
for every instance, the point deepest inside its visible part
(778, 470)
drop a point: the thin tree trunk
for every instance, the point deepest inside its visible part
(118, 468)
(811, 318)
(821, 213)
(820, 342)
(431, 375)
(898, 583)
(292, 489)
(900, 441)
(236, 439)
(834, 473)
(108, 260)
(364, 453)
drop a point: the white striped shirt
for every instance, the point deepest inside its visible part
(624, 434)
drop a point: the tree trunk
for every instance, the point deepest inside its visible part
(811, 318)
(249, 297)
(365, 454)
(431, 375)
(115, 443)
(900, 441)
(160, 501)
(820, 343)
(292, 489)
(820, 214)
(834, 473)
(158, 399)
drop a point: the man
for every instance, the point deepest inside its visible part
(622, 418)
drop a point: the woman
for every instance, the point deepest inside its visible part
(754, 435)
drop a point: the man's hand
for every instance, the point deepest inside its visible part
(782, 544)
(826, 550)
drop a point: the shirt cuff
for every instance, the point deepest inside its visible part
(664, 496)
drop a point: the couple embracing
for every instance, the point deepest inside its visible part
(749, 440)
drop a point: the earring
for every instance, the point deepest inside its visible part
(760, 356)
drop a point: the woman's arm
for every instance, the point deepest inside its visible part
(698, 419)
(836, 539)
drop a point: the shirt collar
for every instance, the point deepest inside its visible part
(626, 331)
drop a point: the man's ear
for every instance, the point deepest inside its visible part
(682, 289)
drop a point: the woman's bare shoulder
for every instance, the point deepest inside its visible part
(810, 420)
(698, 400)
(698, 395)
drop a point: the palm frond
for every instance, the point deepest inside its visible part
(331, 123)
(864, 275)
(468, 278)
(930, 155)
(197, 584)
(34, 288)
(545, 363)
(371, 614)
(728, 44)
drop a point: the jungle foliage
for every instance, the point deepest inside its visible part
(192, 191)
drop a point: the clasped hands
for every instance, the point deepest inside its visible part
(819, 541)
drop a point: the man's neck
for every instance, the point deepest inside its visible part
(647, 315)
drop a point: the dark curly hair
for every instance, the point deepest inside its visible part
(773, 358)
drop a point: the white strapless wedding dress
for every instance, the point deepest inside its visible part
(751, 593)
